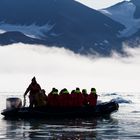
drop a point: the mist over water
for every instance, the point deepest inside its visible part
(58, 67)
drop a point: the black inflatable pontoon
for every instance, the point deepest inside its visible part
(101, 109)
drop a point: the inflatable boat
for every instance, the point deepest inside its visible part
(14, 109)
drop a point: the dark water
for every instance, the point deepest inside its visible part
(122, 125)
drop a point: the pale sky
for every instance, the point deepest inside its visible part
(99, 4)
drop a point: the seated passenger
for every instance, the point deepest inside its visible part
(73, 100)
(53, 98)
(64, 98)
(92, 98)
(78, 98)
(85, 97)
(41, 98)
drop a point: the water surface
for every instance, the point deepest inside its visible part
(122, 125)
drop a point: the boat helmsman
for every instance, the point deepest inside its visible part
(33, 89)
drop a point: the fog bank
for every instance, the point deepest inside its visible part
(58, 67)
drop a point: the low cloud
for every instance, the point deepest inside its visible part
(58, 67)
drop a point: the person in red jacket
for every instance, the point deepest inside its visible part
(33, 89)
(85, 97)
(73, 100)
(64, 98)
(92, 98)
(78, 97)
(53, 98)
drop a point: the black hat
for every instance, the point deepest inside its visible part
(34, 79)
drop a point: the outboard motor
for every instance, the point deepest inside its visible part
(12, 103)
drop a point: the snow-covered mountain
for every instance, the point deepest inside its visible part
(128, 14)
(65, 23)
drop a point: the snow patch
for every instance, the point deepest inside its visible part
(106, 41)
(54, 34)
(2, 31)
(32, 30)
(95, 44)
(106, 12)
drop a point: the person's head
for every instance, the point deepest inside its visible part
(53, 89)
(73, 91)
(84, 91)
(43, 91)
(77, 90)
(61, 92)
(64, 91)
(56, 90)
(93, 90)
(34, 80)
